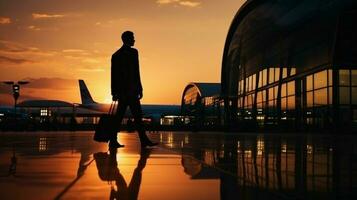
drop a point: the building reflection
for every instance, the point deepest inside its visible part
(254, 166)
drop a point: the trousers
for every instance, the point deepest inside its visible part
(135, 109)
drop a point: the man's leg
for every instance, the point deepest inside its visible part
(118, 117)
(136, 111)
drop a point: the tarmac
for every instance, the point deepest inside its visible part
(185, 165)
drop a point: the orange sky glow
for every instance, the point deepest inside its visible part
(54, 43)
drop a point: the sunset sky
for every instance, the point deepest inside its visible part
(53, 43)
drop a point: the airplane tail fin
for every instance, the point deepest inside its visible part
(85, 95)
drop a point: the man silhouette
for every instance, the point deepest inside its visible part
(126, 87)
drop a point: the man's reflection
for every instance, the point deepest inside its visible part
(12, 167)
(108, 170)
(84, 161)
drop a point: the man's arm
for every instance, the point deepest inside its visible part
(114, 78)
(140, 87)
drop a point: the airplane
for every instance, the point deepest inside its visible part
(9, 111)
(153, 111)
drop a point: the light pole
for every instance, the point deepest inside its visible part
(16, 90)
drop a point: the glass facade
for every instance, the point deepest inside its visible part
(292, 64)
(200, 104)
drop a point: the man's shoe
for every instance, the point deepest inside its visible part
(149, 144)
(115, 145)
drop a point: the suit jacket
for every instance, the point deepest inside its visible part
(125, 74)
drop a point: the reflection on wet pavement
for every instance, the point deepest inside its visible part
(69, 165)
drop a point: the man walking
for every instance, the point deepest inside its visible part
(126, 87)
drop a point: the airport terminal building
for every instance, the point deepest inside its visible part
(291, 64)
(200, 104)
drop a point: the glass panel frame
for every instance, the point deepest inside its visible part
(344, 95)
(344, 77)
(320, 79)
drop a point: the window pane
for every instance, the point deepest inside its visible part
(320, 97)
(246, 84)
(344, 76)
(354, 77)
(271, 103)
(309, 99)
(293, 71)
(344, 95)
(320, 79)
(277, 72)
(309, 83)
(276, 92)
(283, 103)
(259, 97)
(271, 93)
(285, 72)
(330, 81)
(250, 83)
(264, 95)
(265, 77)
(253, 81)
(271, 75)
(291, 88)
(330, 95)
(354, 95)
(283, 90)
(260, 83)
(291, 103)
(249, 100)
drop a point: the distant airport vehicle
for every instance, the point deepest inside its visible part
(154, 112)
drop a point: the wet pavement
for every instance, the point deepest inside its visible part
(69, 165)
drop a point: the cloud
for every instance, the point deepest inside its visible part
(166, 1)
(91, 60)
(190, 4)
(46, 16)
(17, 50)
(34, 28)
(5, 59)
(73, 51)
(5, 20)
(15, 47)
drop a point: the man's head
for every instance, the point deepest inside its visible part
(128, 38)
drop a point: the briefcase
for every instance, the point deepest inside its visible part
(106, 127)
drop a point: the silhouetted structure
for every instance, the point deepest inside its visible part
(292, 64)
(126, 86)
(200, 105)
